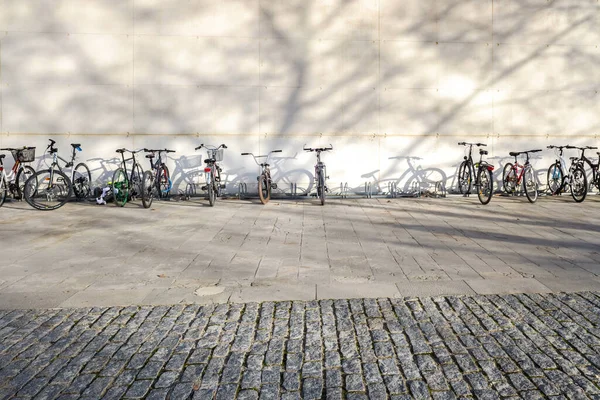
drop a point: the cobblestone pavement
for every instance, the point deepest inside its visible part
(497, 346)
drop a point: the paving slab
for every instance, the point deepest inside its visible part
(106, 298)
(507, 285)
(571, 285)
(273, 293)
(356, 290)
(426, 246)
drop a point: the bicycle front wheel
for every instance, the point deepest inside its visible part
(120, 187)
(485, 186)
(555, 178)
(148, 189)
(24, 173)
(82, 181)
(212, 193)
(3, 190)
(464, 177)
(579, 184)
(47, 190)
(509, 178)
(264, 189)
(529, 184)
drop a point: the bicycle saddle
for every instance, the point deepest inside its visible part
(513, 153)
(209, 160)
(121, 150)
(2, 156)
(149, 155)
(75, 145)
(483, 152)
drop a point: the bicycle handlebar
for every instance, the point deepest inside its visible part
(471, 144)
(21, 148)
(155, 150)
(213, 147)
(129, 151)
(318, 149)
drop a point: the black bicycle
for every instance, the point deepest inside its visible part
(320, 172)
(51, 188)
(560, 176)
(127, 186)
(156, 182)
(265, 183)
(467, 171)
(595, 181)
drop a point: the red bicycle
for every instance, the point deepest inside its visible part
(520, 174)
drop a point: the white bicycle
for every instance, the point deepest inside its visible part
(13, 181)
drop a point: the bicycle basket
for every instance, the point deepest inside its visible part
(190, 162)
(24, 155)
(216, 154)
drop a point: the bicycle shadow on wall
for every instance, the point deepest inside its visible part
(416, 179)
(103, 172)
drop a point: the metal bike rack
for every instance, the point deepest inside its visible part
(416, 188)
(393, 189)
(344, 190)
(368, 190)
(293, 190)
(242, 190)
(440, 189)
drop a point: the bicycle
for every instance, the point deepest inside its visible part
(265, 183)
(155, 181)
(466, 171)
(576, 178)
(320, 174)
(517, 174)
(126, 188)
(50, 189)
(595, 174)
(212, 171)
(14, 180)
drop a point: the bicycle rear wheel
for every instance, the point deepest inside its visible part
(529, 184)
(163, 182)
(579, 184)
(464, 177)
(509, 178)
(120, 187)
(24, 173)
(212, 193)
(556, 178)
(82, 181)
(485, 186)
(47, 190)
(264, 189)
(135, 189)
(148, 189)
(3, 190)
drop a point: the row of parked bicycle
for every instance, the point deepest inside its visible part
(50, 188)
(560, 177)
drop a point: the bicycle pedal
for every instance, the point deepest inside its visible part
(273, 185)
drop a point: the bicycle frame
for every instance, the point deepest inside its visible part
(124, 163)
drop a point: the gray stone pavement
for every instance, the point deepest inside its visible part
(85, 255)
(523, 346)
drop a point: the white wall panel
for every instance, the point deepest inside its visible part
(74, 16)
(375, 78)
(197, 17)
(67, 58)
(62, 109)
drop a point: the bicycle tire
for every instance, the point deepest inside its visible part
(20, 180)
(509, 178)
(555, 178)
(148, 188)
(59, 186)
(321, 188)
(264, 189)
(212, 194)
(3, 190)
(529, 184)
(485, 185)
(120, 187)
(579, 189)
(82, 180)
(136, 182)
(163, 181)
(464, 177)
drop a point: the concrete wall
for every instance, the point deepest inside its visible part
(377, 79)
